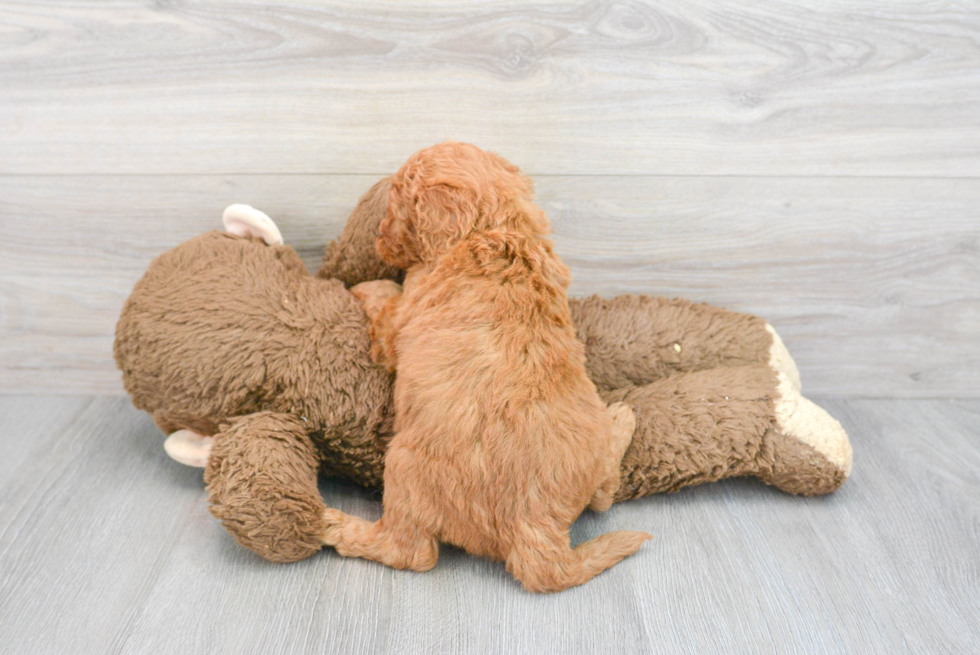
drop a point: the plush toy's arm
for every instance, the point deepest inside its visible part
(262, 484)
(352, 257)
(726, 422)
(633, 340)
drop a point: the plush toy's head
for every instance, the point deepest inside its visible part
(224, 325)
(352, 258)
(443, 193)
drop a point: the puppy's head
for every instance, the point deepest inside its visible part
(445, 192)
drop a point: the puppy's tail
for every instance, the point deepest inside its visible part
(556, 567)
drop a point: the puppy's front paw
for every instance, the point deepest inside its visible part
(380, 355)
(374, 294)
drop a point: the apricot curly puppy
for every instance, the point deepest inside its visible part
(501, 439)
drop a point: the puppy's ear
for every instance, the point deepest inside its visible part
(396, 243)
(443, 214)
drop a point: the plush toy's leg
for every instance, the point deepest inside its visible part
(262, 485)
(633, 340)
(708, 425)
(623, 427)
(244, 220)
(189, 447)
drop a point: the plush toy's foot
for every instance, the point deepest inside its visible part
(189, 448)
(262, 485)
(810, 453)
(798, 468)
(248, 221)
(781, 361)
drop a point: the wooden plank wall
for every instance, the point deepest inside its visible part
(817, 163)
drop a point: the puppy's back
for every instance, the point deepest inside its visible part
(492, 378)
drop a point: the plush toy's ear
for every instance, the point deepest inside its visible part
(249, 221)
(189, 448)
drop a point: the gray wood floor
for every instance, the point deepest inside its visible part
(106, 546)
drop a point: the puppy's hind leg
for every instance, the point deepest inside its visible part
(397, 539)
(401, 546)
(545, 563)
(623, 427)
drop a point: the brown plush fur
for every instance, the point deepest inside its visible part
(501, 438)
(230, 337)
(352, 257)
(255, 459)
(224, 326)
(730, 426)
(666, 337)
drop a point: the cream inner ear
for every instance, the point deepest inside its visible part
(244, 220)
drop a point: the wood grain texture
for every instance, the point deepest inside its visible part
(873, 283)
(25, 423)
(856, 87)
(107, 546)
(86, 522)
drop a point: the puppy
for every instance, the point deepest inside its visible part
(501, 438)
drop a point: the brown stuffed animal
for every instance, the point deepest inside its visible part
(262, 373)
